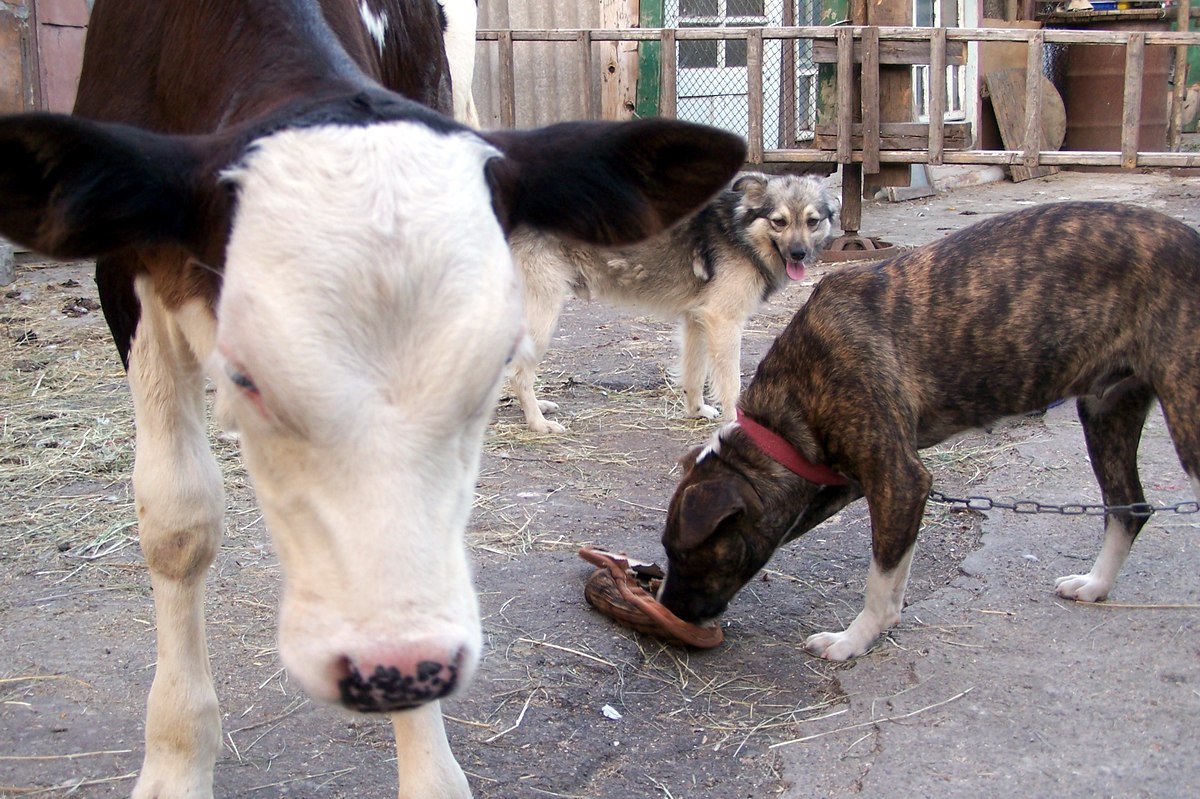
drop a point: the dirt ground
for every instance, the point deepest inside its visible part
(989, 686)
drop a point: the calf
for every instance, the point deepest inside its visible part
(268, 209)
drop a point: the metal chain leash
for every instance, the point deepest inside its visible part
(1137, 509)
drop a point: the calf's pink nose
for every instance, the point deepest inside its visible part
(400, 678)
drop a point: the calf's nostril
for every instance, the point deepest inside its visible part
(389, 688)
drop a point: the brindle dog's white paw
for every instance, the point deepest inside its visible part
(1082, 588)
(836, 646)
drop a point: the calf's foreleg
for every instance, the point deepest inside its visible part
(427, 767)
(177, 488)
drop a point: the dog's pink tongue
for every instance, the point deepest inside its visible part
(795, 270)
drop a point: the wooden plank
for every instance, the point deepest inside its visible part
(825, 34)
(1007, 90)
(895, 89)
(70, 13)
(892, 52)
(850, 215)
(618, 72)
(937, 94)
(1131, 114)
(896, 136)
(1152, 160)
(754, 70)
(60, 56)
(845, 95)
(870, 101)
(13, 37)
(1033, 102)
(787, 81)
(1179, 86)
(508, 100)
(585, 74)
(650, 15)
(667, 91)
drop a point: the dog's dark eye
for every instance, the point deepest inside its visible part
(241, 380)
(778, 222)
(814, 221)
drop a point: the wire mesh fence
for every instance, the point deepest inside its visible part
(712, 74)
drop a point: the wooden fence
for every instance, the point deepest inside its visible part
(865, 140)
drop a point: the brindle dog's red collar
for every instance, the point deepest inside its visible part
(786, 455)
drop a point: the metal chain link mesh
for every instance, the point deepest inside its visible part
(712, 78)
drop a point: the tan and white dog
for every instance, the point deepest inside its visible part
(710, 272)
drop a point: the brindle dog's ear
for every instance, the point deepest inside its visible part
(702, 509)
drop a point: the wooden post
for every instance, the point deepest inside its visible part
(667, 88)
(754, 69)
(937, 94)
(1033, 100)
(1179, 83)
(852, 171)
(872, 101)
(619, 60)
(650, 15)
(895, 96)
(508, 96)
(846, 96)
(1135, 61)
(787, 81)
(585, 73)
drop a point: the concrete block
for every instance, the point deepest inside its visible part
(8, 267)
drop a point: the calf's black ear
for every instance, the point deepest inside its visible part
(72, 188)
(609, 183)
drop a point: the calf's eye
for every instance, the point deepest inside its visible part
(241, 380)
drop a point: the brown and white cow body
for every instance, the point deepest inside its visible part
(269, 212)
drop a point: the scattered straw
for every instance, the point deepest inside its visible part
(330, 774)
(548, 645)
(70, 787)
(860, 725)
(70, 756)
(517, 723)
(1126, 606)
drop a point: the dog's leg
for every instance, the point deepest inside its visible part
(897, 502)
(1112, 428)
(523, 377)
(177, 486)
(881, 610)
(543, 294)
(725, 354)
(694, 367)
(1179, 410)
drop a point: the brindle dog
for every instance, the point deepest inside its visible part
(1092, 300)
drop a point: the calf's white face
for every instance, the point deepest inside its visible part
(361, 388)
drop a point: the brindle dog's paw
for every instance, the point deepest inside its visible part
(1082, 588)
